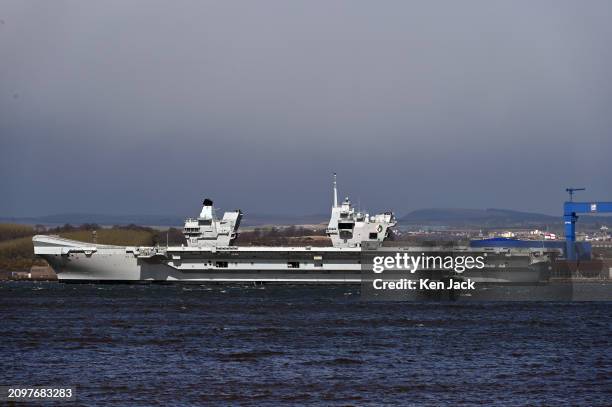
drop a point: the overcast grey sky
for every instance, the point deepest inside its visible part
(146, 106)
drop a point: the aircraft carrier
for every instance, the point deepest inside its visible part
(210, 256)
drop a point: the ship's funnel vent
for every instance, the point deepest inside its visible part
(207, 209)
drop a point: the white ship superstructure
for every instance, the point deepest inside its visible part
(210, 255)
(350, 228)
(208, 231)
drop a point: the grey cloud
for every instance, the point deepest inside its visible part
(146, 106)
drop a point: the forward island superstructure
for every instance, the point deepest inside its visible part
(210, 255)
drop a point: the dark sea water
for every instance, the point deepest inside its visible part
(271, 345)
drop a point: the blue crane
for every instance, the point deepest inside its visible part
(570, 209)
(571, 192)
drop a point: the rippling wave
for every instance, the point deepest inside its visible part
(301, 345)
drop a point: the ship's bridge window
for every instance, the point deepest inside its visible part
(221, 264)
(293, 264)
(345, 225)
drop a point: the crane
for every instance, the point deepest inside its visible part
(570, 209)
(571, 191)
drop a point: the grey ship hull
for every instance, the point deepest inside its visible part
(76, 261)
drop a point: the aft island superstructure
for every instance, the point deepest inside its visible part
(209, 254)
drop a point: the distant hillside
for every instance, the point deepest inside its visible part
(481, 218)
(158, 220)
(492, 218)
(81, 218)
(261, 219)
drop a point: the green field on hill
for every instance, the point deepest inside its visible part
(17, 250)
